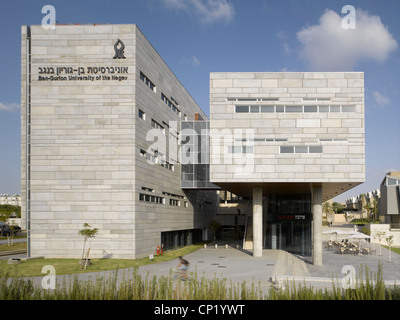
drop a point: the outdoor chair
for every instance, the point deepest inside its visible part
(366, 251)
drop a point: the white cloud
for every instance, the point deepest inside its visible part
(191, 60)
(287, 48)
(206, 11)
(380, 99)
(329, 47)
(9, 107)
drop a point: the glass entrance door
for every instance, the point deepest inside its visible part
(291, 236)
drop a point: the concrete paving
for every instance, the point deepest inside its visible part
(275, 267)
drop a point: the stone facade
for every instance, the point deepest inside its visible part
(91, 107)
(300, 127)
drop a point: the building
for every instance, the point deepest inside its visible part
(357, 203)
(100, 122)
(14, 200)
(289, 141)
(110, 137)
(389, 210)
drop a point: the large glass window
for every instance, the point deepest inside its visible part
(195, 155)
(288, 224)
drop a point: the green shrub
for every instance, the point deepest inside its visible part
(368, 287)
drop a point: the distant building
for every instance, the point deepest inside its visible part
(14, 200)
(356, 203)
(390, 199)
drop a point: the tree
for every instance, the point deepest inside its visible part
(10, 236)
(3, 219)
(369, 208)
(87, 233)
(389, 240)
(9, 209)
(326, 207)
(214, 226)
(375, 209)
(363, 202)
(337, 207)
(380, 235)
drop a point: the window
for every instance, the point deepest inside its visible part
(392, 182)
(310, 108)
(254, 109)
(167, 165)
(240, 149)
(173, 202)
(242, 109)
(294, 108)
(252, 99)
(142, 114)
(261, 140)
(247, 149)
(287, 149)
(151, 198)
(291, 108)
(235, 149)
(170, 104)
(156, 125)
(316, 99)
(301, 149)
(315, 149)
(323, 108)
(336, 140)
(267, 108)
(335, 108)
(348, 108)
(148, 156)
(147, 81)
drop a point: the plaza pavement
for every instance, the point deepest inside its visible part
(275, 267)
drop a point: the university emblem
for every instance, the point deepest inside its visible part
(119, 52)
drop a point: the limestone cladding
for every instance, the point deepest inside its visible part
(81, 141)
(340, 134)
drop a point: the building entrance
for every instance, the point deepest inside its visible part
(288, 223)
(291, 236)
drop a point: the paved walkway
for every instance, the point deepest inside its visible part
(275, 267)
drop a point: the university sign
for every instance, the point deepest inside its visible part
(91, 73)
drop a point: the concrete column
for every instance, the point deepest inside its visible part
(317, 225)
(257, 222)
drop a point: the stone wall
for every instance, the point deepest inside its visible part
(342, 158)
(375, 228)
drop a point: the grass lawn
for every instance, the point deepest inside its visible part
(16, 246)
(397, 250)
(34, 267)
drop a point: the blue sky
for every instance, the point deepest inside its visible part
(196, 37)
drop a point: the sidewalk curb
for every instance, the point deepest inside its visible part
(11, 252)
